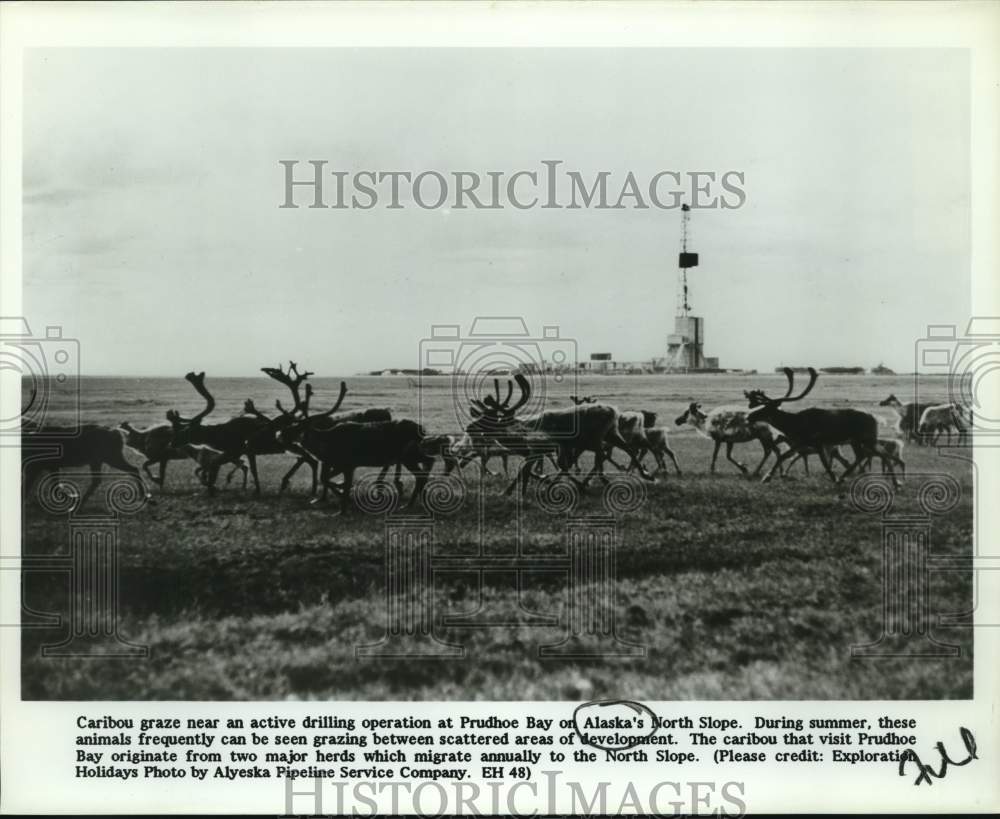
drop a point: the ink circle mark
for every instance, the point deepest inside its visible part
(638, 707)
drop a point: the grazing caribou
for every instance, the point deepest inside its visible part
(658, 444)
(465, 448)
(228, 437)
(730, 426)
(816, 429)
(890, 452)
(347, 445)
(155, 443)
(468, 448)
(634, 426)
(908, 416)
(206, 458)
(803, 455)
(564, 432)
(268, 437)
(91, 446)
(941, 418)
(250, 434)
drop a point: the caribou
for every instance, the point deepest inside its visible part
(730, 426)
(91, 446)
(268, 437)
(228, 437)
(565, 432)
(816, 428)
(252, 433)
(467, 448)
(942, 418)
(890, 453)
(634, 427)
(206, 458)
(155, 444)
(658, 444)
(346, 445)
(908, 416)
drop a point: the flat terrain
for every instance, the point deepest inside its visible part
(736, 590)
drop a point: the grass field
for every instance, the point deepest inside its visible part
(736, 590)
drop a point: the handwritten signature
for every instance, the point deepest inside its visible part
(927, 772)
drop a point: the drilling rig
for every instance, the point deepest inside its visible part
(686, 344)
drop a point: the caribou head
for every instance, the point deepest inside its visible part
(693, 414)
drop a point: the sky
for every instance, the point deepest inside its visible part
(153, 232)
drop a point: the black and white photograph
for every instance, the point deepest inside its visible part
(413, 375)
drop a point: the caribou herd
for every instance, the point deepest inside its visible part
(334, 443)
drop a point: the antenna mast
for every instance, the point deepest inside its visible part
(685, 261)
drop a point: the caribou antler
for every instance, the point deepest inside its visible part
(525, 386)
(813, 375)
(493, 407)
(250, 409)
(758, 398)
(291, 379)
(197, 381)
(335, 407)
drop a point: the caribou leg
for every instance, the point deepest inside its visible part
(824, 458)
(732, 460)
(597, 468)
(94, 482)
(246, 472)
(715, 455)
(252, 459)
(303, 459)
(163, 470)
(617, 441)
(421, 469)
(118, 461)
(767, 452)
(673, 458)
(324, 478)
(776, 467)
(756, 472)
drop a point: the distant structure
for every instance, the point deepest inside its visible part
(686, 344)
(881, 369)
(825, 370)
